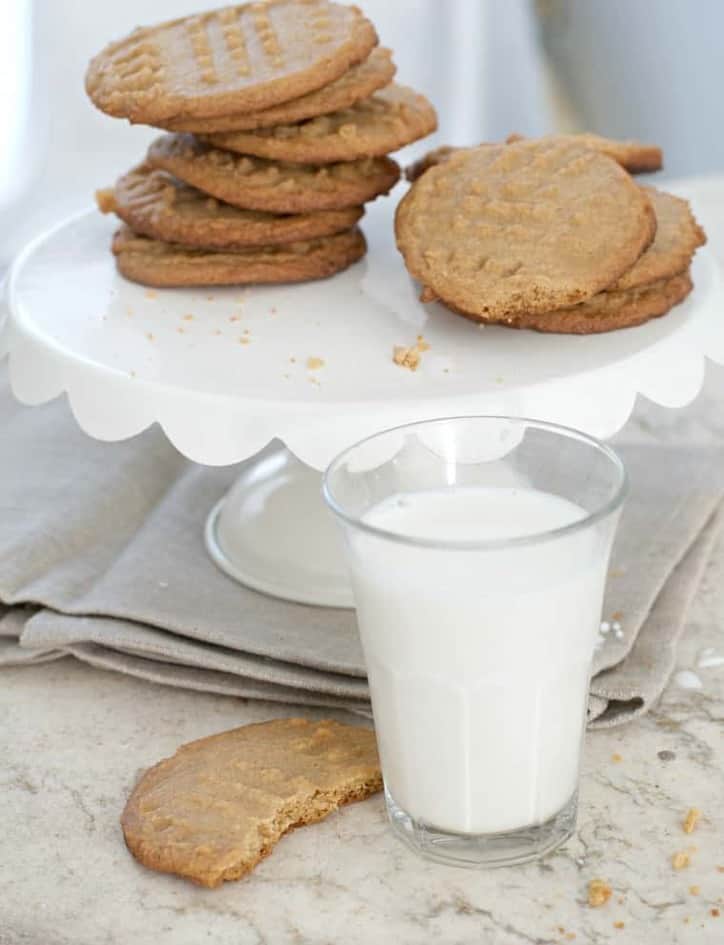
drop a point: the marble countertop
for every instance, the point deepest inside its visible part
(73, 741)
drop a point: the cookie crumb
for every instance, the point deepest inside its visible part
(406, 357)
(599, 892)
(720, 869)
(150, 336)
(570, 936)
(691, 819)
(292, 360)
(694, 890)
(244, 340)
(714, 913)
(680, 860)
(617, 615)
(314, 364)
(188, 318)
(618, 925)
(151, 293)
(616, 758)
(234, 318)
(422, 345)
(180, 330)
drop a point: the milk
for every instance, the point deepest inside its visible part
(478, 658)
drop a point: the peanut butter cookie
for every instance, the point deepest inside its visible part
(357, 83)
(523, 228)
(258, 184)
(153, 262)
(217, 807)
(608, 311)
(239, 58)
(392, 118)
(155, 204)
(635, 156)
(678, 236)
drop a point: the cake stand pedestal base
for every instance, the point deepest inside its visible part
(272, 532)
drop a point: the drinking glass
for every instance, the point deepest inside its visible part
(478, 549)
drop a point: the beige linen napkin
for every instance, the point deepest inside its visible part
(102, 558)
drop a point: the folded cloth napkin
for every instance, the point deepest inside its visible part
(102, 558)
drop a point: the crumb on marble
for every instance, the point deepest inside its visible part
(570, 936)
(599, 892)
(616, 572)
(617, 615)
(150, 335)
(720, 869)
(189, 317)
(217, 331)
(618, 925)
(694, 890)
(691, 819)
(209, 298)
(714, 913)
(234, 318)
(422, 345)
(314, 364)
(151, 294)
(181, 330)
(244, 340)
(292, 360)
(616, 758)
(680, 860)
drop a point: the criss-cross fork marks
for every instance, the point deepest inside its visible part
(139, 67)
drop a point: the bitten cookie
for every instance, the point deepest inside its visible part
(259, 184)
(155, 204)
(392, 118)
(239, 58)
(357, 83)
(529, 227)
(219, 805)
(152, 262)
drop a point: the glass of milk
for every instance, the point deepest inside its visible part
(478, 549)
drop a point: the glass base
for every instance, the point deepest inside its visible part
(478, 851)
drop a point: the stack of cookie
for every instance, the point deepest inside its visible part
(551, 234)
(280, 116)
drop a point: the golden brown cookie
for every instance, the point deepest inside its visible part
(635, 156)
(608, 311)
(239, 58)
(259, 184)
(357, 83)
(153, 262)
(431, 159)
(155, 204)
(527, 228)
(392, 118)
(678, 236)
(217, 807)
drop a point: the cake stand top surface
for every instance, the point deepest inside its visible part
(226, 370)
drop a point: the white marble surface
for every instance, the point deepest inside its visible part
(73, 741)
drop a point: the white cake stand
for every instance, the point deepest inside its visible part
(232, 374)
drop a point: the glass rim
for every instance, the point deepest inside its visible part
(607, 508)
